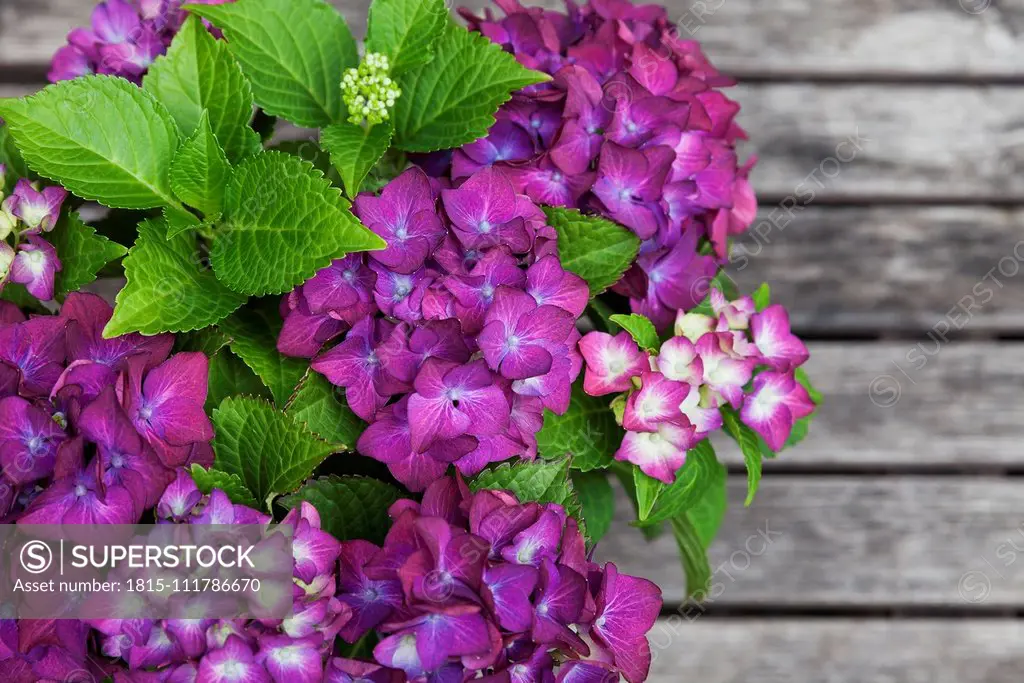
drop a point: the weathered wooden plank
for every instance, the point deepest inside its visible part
(796, 36)
(841, 541)
(889, 268)
(960, 408)
(840, 651)
(939, 142)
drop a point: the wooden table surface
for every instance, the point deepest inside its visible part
(885, 548)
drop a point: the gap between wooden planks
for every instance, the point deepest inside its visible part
(953, 544)
(838, 651)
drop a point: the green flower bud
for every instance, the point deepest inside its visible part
(368, 91)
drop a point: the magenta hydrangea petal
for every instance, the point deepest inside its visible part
(35, 266)
(87, 315)
(627, 608)
(235, 662)
(169, 406)
(771, 333)
(291, 660)
(29, 438)
(661, 452)
(658, 400)
(611, 362)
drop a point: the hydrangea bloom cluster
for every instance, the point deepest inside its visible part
(672, 400)
(124, 39)
(25, 216)
(466, 585)
(91, 429)
(633, 127)
(291, 650)
(368, 91)
(470, 585)
(456, 336)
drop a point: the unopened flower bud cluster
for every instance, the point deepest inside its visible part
(368, 91)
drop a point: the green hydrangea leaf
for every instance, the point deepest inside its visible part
(707, 513)
(201, 170)
(587, 432)
(648, 491)
(319, 405)
(198, 75)
(406, 30)
(762, 297)
(597, 500)
(230, 376)
(694, 556)
(692, 481)
(540, 481)
(452, 100)
(11, 158)
(355, 150)
(166, 291)
(254, 333)
(269, 451)
(294, 53)
(82, 253)
(284, 223)
(640, 328)
(208, 479)
(179, 222)
(101, 137)
(350, 507)
(751, 445)
(596, 249)
(208, 341)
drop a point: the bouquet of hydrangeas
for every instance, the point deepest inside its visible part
(429, 335)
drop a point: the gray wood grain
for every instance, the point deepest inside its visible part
(889, 268)
(839, 541)
(840, 651)
(931, 142)
(794, 36)
(962, 407)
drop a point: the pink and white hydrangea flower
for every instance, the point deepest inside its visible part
(36, 266)
(612, 362)
(781, 349)
(724, 375)
(38, 210)
(775, 405)
(705, 420)
(660, 453)
(678, 360)
(693, 326)
(657, 401)
(732, 315)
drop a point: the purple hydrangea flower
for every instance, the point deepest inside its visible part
(633, 126)
(29, 439)
(124, 39)
(491, 587)
(166, 404)
(39, 211)
(468, 269)
(35, 266)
